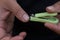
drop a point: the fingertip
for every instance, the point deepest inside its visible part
(47, 24)
(51, 26)
(26, 18)
(50, 9)
(23, 34)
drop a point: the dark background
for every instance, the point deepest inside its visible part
(35, 30)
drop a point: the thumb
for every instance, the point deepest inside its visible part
(17, 10)
(54, 8)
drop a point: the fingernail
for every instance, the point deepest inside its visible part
(22, 34)
(26, 17)
(51, 8)
(47, 24)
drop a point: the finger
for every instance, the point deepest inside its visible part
(19, 37)
(23, 34)
(54, 8)
(51, 26)
(59, 25)
(17, 10)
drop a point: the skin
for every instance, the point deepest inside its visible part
(9, 9)
(54, 8)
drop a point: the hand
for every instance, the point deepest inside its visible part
(8, 10)
(54, 8)
(8, 36)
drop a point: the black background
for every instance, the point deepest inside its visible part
(35, 30)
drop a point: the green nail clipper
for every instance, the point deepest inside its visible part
(44, 17)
